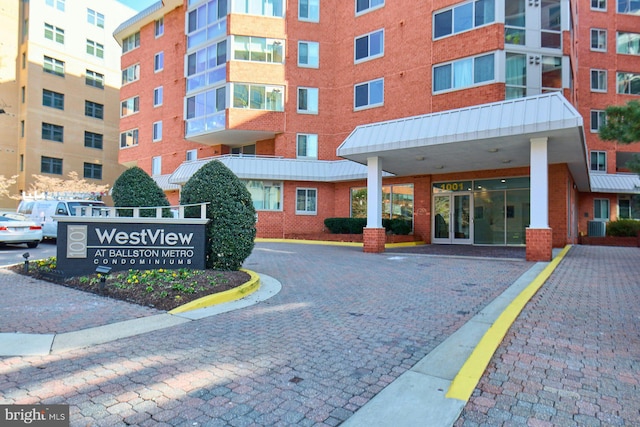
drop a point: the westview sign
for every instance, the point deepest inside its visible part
(85, 243)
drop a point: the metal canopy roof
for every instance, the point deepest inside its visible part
(483, 137)
(615, 183)
(272, 168)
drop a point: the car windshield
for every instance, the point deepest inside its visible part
(7, 216)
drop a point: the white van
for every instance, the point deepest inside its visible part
(42, 212)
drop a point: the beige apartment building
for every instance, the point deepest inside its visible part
(59, 90)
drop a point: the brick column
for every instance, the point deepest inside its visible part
(539, 244)
(374, 240)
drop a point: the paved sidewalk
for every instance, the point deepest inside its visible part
(344, 326)
(572, 358)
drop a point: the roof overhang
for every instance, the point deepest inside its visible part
(615, 183)
(483, 137)
(155, 11)
(277, 169)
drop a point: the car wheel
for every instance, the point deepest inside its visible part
(32, 245)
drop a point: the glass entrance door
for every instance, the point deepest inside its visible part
(451, 222)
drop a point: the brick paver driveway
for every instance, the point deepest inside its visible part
(344, 325)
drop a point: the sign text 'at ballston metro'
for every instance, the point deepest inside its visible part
(86, 243)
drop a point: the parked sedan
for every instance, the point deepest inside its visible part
(16, 228)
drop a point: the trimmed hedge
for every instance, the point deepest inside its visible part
(135, 188)
(231, 230)
(355, 225)
(623, 228)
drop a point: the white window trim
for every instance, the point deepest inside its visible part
(369, 105)
(591, 129)
(134, 130)
(307, 135)
(309, 19)
(127, 68)
(367, 10)
(161, 90)
(306, 212)
(156, 126)
(194, 152)
(598, 152)
(608, 211)
(498, 67)
(155, 57)
(298, 110)
(597, 9)
(301, 65)
(127, 100)
(606, 41)
(156, 166)
(155, 26)
(369, 57)
(606, 74)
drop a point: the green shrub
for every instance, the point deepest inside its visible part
(231, 230)
(135, 188)
(345, 225)
(355, 225)
(623, 228)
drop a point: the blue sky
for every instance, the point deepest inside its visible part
(138, 4)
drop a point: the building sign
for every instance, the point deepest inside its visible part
(85, 243)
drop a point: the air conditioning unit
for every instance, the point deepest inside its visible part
(596, 228)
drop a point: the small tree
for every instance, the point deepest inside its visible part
(231, 230)
(623, 125)
(135, 188)
(6, 184)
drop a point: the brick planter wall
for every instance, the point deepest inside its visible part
(539, 244)
(610, 241)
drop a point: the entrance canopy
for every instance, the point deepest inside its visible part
(482, 137)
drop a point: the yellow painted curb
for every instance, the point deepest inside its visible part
(469, 375)
(333, 243)
(231, 295)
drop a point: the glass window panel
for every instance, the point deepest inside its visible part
(443, 24)
(376, 43)
(442, 78)
(240, 96)
(485, 12)
(257, 97)
(463, 17)
(483, 69)
(551, 72)
(362, 95)
(462, 73)
(362, 47)
(241, 47)
(376, 92)
(489, 217)
(515, 13)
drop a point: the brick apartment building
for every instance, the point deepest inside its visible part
(475, 120)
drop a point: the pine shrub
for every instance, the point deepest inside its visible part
(231, 230)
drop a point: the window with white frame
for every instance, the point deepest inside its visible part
(58, 4)
(308, 54)
(131, 74)
(309, 10)
(368, 94)
(598, 80)
(95, 18)
(464, 73)
(156, 165)
(307, 146)
(306, 201)
(131, 42)
(629, 206)
(631, 7)
(159, 27)
(265, 195)
(129, 106)
(258, 49)
(598, 118)
(598, 40)
(258, 97)
(628, 43)
(463, 17)
(369, 46)
(274, 8)
(95, 49)
(94, 79)
(628, 83)
(601, 209)
(53, 66)
(308, 100)
(157, 96)
(192, 155)
(54, 33)
(157, 131)
(129, 138)
(600, 5)
(599, 161)
(158, 62)
(363, 6)
(207, 66)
